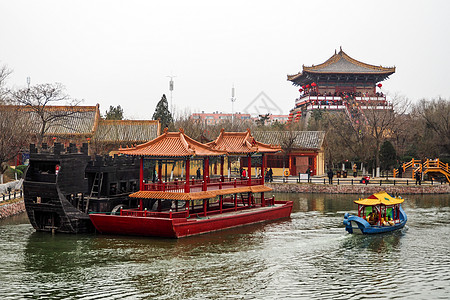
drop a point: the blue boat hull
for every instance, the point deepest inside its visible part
(366, 228)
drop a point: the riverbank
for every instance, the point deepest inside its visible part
(11, 207)
(358, 189)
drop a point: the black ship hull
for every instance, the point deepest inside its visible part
(61, 187)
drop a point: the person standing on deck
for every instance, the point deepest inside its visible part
(418, 177)
(355, 172)
(199, 174)
(270, 173)
(308, 172)
(330, 176)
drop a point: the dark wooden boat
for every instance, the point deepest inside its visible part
(62, 186)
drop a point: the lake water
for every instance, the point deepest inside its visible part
(309, 256)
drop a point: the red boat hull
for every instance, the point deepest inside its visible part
(182, 227)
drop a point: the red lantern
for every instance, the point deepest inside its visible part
(300, 90)
(379, 85)
(303, 87)
(307, 86)
(313, 84)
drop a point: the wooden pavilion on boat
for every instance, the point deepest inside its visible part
(177, 146)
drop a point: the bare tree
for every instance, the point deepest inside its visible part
(4, 73)
(381, 122)
(345, 141)
(287, 144)
(14, 132)
(434, 120)
(38, 98)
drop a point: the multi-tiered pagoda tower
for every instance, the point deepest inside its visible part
(339, 84)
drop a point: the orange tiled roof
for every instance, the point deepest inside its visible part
(342, 63)
(240, 143)
(199, 195)
(172, 144)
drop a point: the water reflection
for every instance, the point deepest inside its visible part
(309, 256)
(379, 243)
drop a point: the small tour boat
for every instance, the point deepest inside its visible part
(377, 213)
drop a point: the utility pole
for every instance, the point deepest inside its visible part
(233, 99)
(171, 90)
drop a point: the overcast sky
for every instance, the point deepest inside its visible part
(121, 52)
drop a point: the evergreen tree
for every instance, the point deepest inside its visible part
(162, 112)
(262, 120)
(114, 113)
(388, 155)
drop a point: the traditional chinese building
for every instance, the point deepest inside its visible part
(341, 83)
(303, 150)
(83, 124)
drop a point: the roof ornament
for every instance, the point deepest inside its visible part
(182, 130)
(335, 52)
(340, 47)
(166, 130)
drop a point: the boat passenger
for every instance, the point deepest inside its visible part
(371, 218)
(391, 222)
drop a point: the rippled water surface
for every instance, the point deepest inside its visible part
(309, 256)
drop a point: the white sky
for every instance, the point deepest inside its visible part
(121, 52)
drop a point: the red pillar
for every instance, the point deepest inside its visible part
(221, 168)
(206, 170)
(187, 169)
(315, 165)
(249, 165)
(141, 174)
(263, 167)
(160, 171)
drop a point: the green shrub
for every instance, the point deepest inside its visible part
(22, 168)
(10, 173)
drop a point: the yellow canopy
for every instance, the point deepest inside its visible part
(379, 198)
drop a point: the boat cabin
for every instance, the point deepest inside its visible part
(190, 194)
(380, 209)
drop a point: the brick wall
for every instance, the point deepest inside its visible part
(358, 189)
(11, 209)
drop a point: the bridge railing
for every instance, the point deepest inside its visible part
(436, 163)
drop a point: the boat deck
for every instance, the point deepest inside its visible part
(240, 211)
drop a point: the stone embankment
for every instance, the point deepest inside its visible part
(11, 208)
(358, 189)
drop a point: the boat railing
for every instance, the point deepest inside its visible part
(213, 184)
(269, 201)
(154, 214)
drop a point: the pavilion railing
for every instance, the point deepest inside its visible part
(178, 186)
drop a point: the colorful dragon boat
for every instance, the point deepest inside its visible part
(191, 206)
(377, 213)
